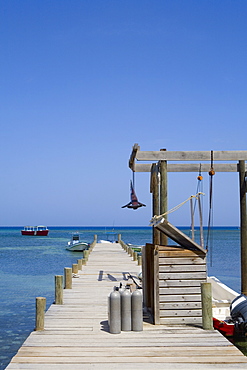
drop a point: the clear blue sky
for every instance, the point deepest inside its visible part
(83, 80)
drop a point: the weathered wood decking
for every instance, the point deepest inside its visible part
(76, 333)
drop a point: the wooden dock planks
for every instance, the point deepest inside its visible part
(76, 333)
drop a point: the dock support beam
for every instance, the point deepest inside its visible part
(154, 189)
(243, 226)
(163, 194)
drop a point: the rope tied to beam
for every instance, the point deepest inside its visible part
(156, 219)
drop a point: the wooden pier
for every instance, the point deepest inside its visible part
(76, 334)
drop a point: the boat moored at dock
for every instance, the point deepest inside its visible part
(229, 309)
(76, 245)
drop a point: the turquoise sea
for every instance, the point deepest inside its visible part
(29, 264)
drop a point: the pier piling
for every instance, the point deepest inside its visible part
(67, 278)
(40, 313)
(207, 311)
(75, 268)
(58, 289)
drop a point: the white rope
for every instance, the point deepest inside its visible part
(157, 219)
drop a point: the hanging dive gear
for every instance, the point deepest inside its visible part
(134, 203)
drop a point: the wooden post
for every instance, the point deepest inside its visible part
(86, 254)
(40, 313)
(192, 220)
(75, 268)
(139, 259)
(119, 238)
(144, 277)
(148, 277)
(207, 309)
(135, 256)
(163, 194)
(243, 226)
(58, 289)
(67, 278)
(156, 295)
(154, 188)
(79, 263)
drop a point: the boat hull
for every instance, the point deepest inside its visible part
(35, 233)
(227, 329)
(78, 247)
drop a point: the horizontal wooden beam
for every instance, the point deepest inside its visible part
(190, 167)
(234, 155)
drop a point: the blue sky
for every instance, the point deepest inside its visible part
(82, 81)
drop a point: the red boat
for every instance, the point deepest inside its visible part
(35, 230)
(227, 329)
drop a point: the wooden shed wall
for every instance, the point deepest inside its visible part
(174, 284)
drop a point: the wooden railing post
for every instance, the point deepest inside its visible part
(139, 259)
(67, 278)
(86, 254)
(79, 263)
(58, 289)
(135, 256)
(243, 226)
(75, 268)
(207, 309)
(40, 313)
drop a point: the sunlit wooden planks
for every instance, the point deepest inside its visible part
(222, 155)
(76, 335)
(190, 167)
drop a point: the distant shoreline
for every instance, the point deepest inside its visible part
(121, 227)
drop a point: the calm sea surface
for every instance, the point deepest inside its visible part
(28, 266)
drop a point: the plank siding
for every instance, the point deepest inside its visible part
(181, 313)
(180, 305)
(179, 283)
(175, 284)
(175, 268)
(185, 275)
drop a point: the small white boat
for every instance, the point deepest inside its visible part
(222, 297)
(75, 245)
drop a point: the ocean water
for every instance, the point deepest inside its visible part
(28, 266)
